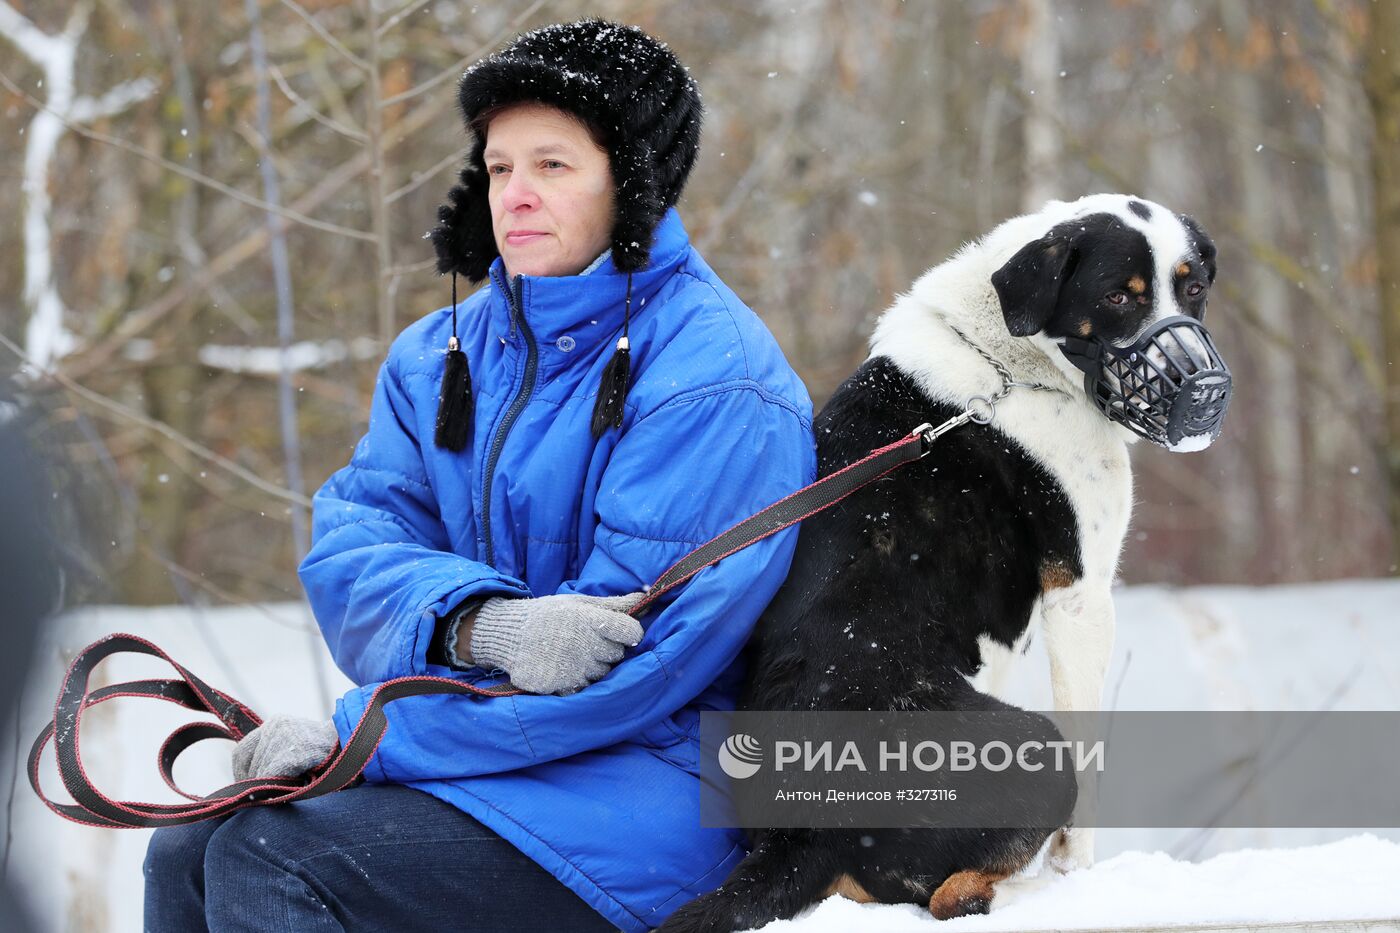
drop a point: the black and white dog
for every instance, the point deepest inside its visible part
(1090, 311)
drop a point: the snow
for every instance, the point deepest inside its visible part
(1321, 646)
(305, 354)
(1353, 879)
(1191, 444)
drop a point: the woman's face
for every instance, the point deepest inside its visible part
(551, 191)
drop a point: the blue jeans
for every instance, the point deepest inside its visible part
(374, 857)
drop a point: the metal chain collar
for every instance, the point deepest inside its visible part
(980, 408)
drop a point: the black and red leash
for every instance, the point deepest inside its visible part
(94, 808)
(344, 766)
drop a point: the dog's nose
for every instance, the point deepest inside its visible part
(1179, 353)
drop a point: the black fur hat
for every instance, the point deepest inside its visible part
(628, 87)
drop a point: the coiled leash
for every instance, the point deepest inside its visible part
(93, 808)
(343, 767)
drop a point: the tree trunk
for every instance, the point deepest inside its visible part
(1276, 450)
(1382, 80)
(1040, 76)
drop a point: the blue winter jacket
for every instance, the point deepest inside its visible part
(599, 787)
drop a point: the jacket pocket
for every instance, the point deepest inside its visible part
(669, 740)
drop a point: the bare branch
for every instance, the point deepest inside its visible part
(165, 430)
(116, 100)
(456, 68)
(31, 41)
(1249, 314)
(419, 178)
(773, 150)
(412, 268)
(321, 31)
(401, 15)
(349, 132)
(1291, 272)
(379, 206)
(197, 177)
(132, 325)
(78, 20)
(304, 354)
(218, 592)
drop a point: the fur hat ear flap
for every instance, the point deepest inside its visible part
(464, 238)
(639, 205)
(1029, 284)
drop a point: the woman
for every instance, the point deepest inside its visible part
(604, 406)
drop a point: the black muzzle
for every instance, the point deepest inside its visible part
(1170, 387)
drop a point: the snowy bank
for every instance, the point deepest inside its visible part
(1351, 880)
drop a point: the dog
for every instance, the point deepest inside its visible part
(899, 595)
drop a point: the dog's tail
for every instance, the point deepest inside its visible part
(779, 878)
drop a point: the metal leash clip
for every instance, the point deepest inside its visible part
(930, 434)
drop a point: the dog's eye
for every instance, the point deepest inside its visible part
(1194, 290)
(1116, 298)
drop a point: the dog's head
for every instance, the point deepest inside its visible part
(1110, 269)
(1107, 271)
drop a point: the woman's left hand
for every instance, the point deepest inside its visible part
(554, 644)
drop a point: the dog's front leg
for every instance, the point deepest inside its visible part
(1078, 622)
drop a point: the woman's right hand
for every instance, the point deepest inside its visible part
(552, 644)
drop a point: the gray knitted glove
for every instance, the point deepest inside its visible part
(554, 644)
(284, 746)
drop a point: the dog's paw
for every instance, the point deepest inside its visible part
(962, 894)
(1071, 849)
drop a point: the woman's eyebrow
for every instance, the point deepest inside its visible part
(546, 149)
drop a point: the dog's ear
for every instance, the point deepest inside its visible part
(1203, 244)
(1028, 286)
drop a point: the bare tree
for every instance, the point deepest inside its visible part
(1040, 70)
(1383, 91)
(47, 337)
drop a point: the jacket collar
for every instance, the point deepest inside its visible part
(587, 309)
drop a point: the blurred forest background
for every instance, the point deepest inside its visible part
(217, 209)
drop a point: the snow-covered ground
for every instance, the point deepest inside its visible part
(1354, 879)
(1329, 646)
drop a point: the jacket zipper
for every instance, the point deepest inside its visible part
(522, 398)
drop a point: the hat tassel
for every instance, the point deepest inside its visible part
(612, 391)
(455, 399)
